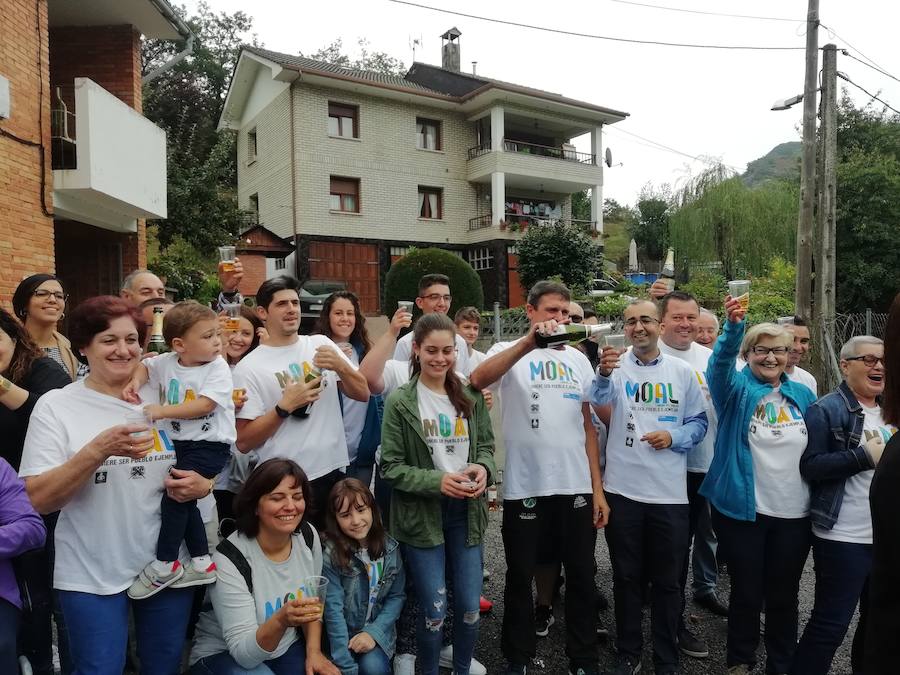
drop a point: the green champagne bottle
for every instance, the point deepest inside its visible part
(572, 334)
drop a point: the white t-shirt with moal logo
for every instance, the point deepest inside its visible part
(107, 532)
(446, 432)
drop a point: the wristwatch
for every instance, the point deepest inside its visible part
(281, 412)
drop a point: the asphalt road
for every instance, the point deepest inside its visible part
(551, 658)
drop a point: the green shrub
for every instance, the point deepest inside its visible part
(611, 307)
(402, 280)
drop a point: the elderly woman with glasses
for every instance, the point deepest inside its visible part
(847, 434)
(760, 502)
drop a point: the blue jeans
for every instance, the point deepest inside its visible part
(374, 662)
(842, 573)
(429, 569)
(97, 626)
(292, 662)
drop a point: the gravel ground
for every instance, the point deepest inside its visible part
(551, 658)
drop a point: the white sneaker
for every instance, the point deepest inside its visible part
(404, 664)
(475, 667)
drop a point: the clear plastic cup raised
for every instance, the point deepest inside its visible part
(316, 587)
(617, 341)
(233, 314)
(138, 417)
(226, 257)
(740, 291)
(406, 305)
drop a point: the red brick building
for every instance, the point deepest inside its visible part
(80, 167)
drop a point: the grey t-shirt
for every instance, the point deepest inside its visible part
(236, 614)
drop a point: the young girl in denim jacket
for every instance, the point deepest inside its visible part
(365, 582)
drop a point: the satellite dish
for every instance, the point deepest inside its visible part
(608, 157)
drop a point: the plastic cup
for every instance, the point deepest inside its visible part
(316, 587)
(226, 257)
(237, 395)
(233, 314)
(617, 341)
(406, 305)
(785, 321)
(740, 291)
(138, 417)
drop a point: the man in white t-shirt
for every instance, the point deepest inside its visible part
(553, 494)
(658, 416)
(680, 314)
(285, 415)
(434, 297)
(798, 328)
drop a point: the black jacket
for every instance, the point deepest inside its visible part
(45, 374)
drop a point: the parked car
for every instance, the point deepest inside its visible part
(312, 295)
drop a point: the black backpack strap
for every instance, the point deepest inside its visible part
(237, 558)
(307, 532)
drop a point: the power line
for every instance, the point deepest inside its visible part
(869, 65)
(869, 94)
(660, 146)
(697, 11)
(840, 37)
(590, 35)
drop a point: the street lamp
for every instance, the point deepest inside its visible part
(786, 103)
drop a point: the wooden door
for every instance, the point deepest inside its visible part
(354, 264)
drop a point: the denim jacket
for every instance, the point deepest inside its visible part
(347, 603)
(729, 483)
(833, 452)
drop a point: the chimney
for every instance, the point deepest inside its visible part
(450, 50)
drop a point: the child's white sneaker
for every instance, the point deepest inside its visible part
(151, 581)
(195, 577)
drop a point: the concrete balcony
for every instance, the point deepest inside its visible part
(532, 166)
(111, 170)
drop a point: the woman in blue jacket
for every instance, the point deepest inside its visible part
(365, 582)
(760, 502)
(847, 435)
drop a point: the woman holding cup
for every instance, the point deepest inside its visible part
(759, 500)
(269, 584)
(85, 458)
(342, 320)
(438, 452)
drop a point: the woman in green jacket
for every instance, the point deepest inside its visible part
(437, 449)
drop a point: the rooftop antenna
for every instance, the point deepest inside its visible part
(415, 42)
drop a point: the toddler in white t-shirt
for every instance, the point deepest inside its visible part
(195, 404)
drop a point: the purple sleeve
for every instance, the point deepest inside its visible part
(21, 528)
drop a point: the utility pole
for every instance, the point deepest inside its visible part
(825, 215)
(825, 251)
(803, 291)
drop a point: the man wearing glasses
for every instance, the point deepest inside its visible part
(434, 297)
(658, 416)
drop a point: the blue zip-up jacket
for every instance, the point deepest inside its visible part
(729, 482)
(833, 453)
(347, 603)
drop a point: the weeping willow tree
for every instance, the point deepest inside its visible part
(718, 219)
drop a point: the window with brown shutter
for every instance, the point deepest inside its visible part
(343, 120)
(344, 194)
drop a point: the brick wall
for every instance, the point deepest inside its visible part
(26, 233)
(254, 273)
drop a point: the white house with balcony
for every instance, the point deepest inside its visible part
(354, 167)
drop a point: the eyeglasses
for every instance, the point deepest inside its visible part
(434, 297)
(869, 359)
(43, 294)
(765, 351)
(574, 318)
(645, 321)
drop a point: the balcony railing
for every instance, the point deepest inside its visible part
(567, 154)
(509, 145)
(62, 128)
(479, 150)
(479, 222)
(517, 221)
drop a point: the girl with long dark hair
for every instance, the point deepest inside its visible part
(366, 579)
(342, 320)
(438, 452)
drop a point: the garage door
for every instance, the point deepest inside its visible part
(354, 264)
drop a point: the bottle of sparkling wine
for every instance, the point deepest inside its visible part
(157, 341)
(668, 270)
(572, 333)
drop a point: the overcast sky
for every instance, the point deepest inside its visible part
(701, 102)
